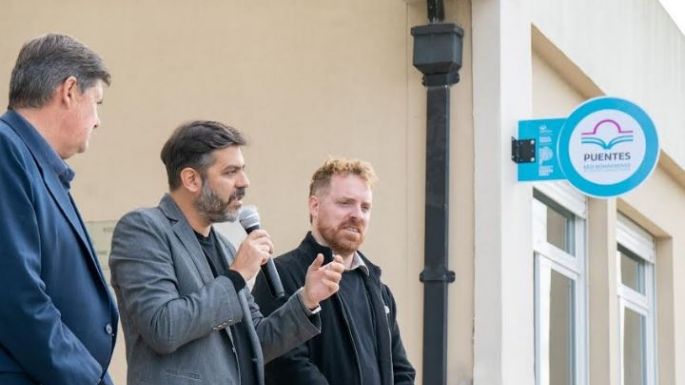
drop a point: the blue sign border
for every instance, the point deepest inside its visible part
(644, 170)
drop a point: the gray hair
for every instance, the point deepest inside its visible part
(47, 61)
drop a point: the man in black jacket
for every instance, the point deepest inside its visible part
(360, 341)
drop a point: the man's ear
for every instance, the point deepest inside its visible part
(66, 92)
(313, 206)
(191, 180)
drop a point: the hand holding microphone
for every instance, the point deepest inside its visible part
(258, 245)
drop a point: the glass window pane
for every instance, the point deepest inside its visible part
(632, 271)
(634, 349)
(559, 230)
(561, 330)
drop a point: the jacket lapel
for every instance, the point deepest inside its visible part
(59, 194)
(69, 210)
(254, 339)
(378, 306)
(228, 253)
(188, 239)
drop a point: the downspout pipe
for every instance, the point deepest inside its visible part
(436, 11)
(437, 54)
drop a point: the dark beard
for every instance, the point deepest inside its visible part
(213, 209)
(340, 240)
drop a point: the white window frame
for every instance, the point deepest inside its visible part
(641, 244)
(549, 257)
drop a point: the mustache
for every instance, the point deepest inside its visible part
(238, 194)
(352, 222)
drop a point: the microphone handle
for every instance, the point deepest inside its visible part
(273, 280)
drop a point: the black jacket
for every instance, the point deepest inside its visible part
(331, 358)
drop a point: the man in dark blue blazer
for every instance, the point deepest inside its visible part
(57, 317)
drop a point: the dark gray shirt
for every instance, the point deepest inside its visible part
(239, 331)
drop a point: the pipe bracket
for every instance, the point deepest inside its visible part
(437, 276)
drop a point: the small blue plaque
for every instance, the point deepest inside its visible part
(545, 133)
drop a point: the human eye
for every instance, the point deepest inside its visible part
(231, 171)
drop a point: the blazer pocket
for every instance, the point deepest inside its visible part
(182, 377)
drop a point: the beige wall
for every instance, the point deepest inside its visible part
(630, 48)
(503, 270)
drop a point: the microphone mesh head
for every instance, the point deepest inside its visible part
(248, 217)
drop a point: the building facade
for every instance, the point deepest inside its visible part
(552, 286)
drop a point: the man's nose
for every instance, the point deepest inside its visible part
(357, 212)
(243, 181)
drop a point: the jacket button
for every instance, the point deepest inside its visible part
(108, 329)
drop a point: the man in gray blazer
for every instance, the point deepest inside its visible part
(187, 315)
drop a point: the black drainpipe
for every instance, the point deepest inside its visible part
(437, 54)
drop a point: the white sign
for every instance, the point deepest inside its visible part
(607, 147)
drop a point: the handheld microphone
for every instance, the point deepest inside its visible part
(249, 219)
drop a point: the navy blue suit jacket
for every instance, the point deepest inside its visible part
(58, 320)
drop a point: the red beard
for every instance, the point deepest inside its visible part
(340, 239)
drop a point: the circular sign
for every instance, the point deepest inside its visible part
(607, 147)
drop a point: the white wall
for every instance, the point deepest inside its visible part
(630, 49)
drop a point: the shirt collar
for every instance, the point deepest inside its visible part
(358, 263)
(38, 145)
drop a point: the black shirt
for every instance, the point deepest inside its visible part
(356, 305)
(241, 338)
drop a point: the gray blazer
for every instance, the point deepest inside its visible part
(174, 311)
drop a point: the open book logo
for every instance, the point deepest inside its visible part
(613, 134)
